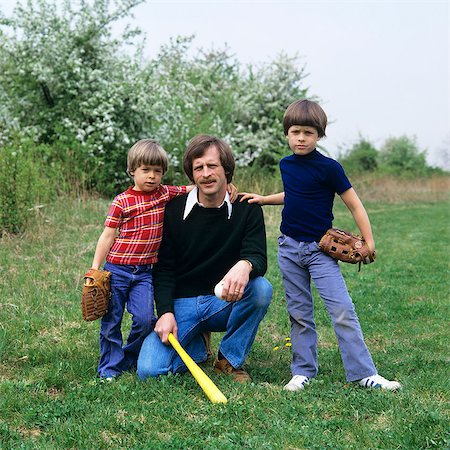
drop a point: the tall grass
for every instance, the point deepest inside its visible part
(50, 398)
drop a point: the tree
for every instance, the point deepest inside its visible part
(67, 82)
(401, 155)
(361, 157)
(63, 77)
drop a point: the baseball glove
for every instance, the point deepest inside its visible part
(96, 294)
(346, 247)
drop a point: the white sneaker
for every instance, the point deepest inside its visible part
(297, 382)
(107, 379)
(378, 382)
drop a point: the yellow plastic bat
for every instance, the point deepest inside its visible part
(210, 389)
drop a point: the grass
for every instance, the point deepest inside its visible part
(50, 398)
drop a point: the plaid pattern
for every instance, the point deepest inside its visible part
(139, 217)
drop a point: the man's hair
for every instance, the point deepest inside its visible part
(146, 152)
(196, 149)
(305, 113)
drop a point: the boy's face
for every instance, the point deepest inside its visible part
(147, 178)
(302, 139)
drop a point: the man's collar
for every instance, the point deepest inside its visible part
(192, 200)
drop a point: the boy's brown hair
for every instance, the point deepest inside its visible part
(306, 113)
(146, 152)
(196, 149)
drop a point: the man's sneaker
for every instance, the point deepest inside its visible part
(297, 382)
(222, 366)
(378, 382)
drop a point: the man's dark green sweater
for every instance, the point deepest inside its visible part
(197, 252)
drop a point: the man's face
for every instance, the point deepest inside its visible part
(209, 177)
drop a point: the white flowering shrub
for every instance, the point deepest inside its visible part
(66, 82)
(64, 78)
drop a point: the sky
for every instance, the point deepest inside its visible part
(380, 68)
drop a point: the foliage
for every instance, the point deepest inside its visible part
(401, 155)
(25, 186)
(361, 157)
(50, 398)
(65, 78)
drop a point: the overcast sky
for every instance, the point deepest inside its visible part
(381, 68)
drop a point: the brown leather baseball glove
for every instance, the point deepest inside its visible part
(96, 294)
(346, 247)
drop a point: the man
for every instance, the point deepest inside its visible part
(206, 240)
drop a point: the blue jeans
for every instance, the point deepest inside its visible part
(131, 286)
(195, 315)
(299, 262)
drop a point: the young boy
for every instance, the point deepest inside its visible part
(310, 182)
(138, 215)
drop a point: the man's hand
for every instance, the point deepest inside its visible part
(235, 280)
(166, 324)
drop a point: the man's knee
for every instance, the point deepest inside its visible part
(146, 369)
(152, 361)
(261, 292)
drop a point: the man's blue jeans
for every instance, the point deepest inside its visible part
(131, 286)
(299, 262)
(195, 315)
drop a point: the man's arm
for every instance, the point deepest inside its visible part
(253, 255)
(164, 286)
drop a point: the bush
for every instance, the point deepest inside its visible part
(25, 186)
(401, 156)
(64, 78)
(66, 82)
(361, 157)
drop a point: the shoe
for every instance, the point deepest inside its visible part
(207, 338)
(297, 383)
(223, 367)
(378, 382)
(107, 379)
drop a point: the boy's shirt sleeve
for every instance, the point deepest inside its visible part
(175, 191)
(114, 218)
(339, 179)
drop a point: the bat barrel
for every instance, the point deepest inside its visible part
(210, 389)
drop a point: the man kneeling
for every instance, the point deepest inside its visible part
(206, 240)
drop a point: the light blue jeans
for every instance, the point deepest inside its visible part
(131, 287)
(299, 262)
(195, 315)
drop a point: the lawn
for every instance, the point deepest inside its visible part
(50, 397)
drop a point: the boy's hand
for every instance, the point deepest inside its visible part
(252, 198)
(232, 192)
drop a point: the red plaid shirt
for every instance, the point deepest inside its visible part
(139, 217)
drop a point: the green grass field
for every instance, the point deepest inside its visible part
(50, 398)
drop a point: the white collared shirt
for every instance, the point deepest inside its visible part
(192, 200)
